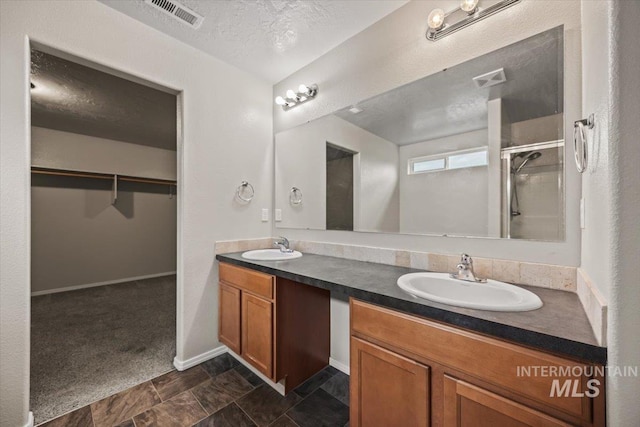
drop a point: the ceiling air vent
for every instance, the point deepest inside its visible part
(490, 79)
(178, 11)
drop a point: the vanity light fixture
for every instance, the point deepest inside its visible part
(442, 23)
(436, 19)
(304, 94)
(469, 6)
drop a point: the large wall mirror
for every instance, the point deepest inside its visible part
(474, 150)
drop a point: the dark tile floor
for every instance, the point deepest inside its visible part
(220, 392)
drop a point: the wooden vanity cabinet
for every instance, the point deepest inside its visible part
(466, 405)
(229, 332)
(391, 389)
(280, 327)
(453, 377)
(257, 332)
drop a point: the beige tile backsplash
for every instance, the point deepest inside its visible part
(227, 246)
(524, 273)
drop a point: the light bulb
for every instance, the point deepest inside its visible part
(469, 6)
(303, 89)
(280, 100)
(435, 19)
(291, 94)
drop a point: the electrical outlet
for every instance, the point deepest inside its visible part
(265, 215)
(278, 215)
(582, 219)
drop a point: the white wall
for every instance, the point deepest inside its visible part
(226, 131)
(64, 150)
(596, 180)
(430, 202)
(393, 52)
(611, 238)
(301, 162)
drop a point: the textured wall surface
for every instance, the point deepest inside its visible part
(624, 292)
(394, 52)
(597, 73)
(226, 129)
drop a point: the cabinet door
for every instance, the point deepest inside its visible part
(229, 317)
(257, 333)
(386, 388)
(468, 405)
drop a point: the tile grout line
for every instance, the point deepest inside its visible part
(93, 422)
(245, 412)
(156, 391)
(253, 387)
(210, 379)
(145, 410)
(307, 396)
(206, 413)
(291, 419)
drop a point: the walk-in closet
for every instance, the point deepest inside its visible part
(103, 233)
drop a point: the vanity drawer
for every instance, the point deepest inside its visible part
(489, 360)
(248, 280)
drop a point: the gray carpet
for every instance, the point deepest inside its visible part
(91, 343)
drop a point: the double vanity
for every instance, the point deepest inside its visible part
(415, 361)
(475, 150)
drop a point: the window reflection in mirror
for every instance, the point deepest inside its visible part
(474, 150)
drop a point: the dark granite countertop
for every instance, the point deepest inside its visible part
(560, 326)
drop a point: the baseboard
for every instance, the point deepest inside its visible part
(96, 284)
(339, 365)
(29, 420)
(276, 386)
(181, 365)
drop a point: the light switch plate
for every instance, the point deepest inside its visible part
(265, 215)
(278, 215)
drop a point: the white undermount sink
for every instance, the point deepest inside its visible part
(270, 255)
(491, 296)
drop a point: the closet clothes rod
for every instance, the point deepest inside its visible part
(100, 175)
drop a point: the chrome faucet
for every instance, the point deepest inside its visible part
(465, 270)
(283, 244)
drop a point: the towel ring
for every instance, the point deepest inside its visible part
(244, 185)
(295, 196)
(580, 146)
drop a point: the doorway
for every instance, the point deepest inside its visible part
(104, 205)
(340, 188)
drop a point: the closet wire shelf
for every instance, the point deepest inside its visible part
(105, 176)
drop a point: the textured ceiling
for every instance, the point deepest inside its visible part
(73, 98)
(268, 38)
(448, 102)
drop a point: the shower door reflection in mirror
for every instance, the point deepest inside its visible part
(474, 150)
